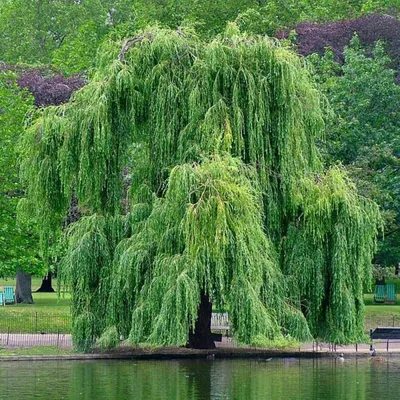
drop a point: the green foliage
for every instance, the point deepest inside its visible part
(380, 273)
(334, 216)
(278, 343)
(253, 16)
(18, 242)
(208, 16)
(63, 32)
(365, 135)
(215, 145)
(109, 339)
(270, 17)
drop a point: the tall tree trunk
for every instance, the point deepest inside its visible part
(46, 285)
(23, 288)
(202, 338)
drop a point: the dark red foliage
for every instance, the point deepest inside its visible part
(50, 90)
(314, 38)
(48, 86)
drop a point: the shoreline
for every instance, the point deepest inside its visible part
(175, 353)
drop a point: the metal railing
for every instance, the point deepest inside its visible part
(42, 329)
(36, 329)
(373, 322)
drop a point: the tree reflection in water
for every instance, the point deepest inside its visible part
(290, 378)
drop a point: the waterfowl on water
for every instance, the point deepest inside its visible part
(340, 357)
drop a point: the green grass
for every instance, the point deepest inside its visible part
(45, 303)
(35, 351)
(49, 313)
(381, 314)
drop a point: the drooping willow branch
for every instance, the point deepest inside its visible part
(227, 195)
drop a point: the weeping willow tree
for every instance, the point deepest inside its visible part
(195, 169)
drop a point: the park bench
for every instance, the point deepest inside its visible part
(385, 333)
(220, 322)
(2, 300)
(9, 296)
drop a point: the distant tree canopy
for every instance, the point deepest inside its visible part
(195, 169)
(316, 38)
(365, 131)
(65, 33)
(18, 242)
(22, 87)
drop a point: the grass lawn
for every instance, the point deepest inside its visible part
(49, 313)
(381, 314)
(35, 351)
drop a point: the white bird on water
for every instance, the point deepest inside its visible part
(340, 357)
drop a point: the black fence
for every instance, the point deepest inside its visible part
(42, 329)
(36, 329)
(375, 321)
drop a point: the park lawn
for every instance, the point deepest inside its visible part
(49, 313)
(380, 314)
(44, 303)
(35, 351)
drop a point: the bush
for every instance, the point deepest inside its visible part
(282, 342)
(109, 339)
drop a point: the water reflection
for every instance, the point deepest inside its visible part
(291, 378)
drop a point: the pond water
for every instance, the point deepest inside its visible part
(220, 379)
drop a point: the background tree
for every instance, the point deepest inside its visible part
(254, 16)
(365, 132)
(228, 201)
(19, 243)
(21, 87)
(316, 38)
(61, 32)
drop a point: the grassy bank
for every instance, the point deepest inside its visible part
(35, 351)
(49, 313)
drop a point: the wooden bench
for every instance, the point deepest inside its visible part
(385, 333)
(220, 322)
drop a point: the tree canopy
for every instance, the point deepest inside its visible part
(19, 242)
(364, 132)
(195, 169)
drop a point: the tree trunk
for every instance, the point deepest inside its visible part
(23, 288)
(46, 285)
(201, 338)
